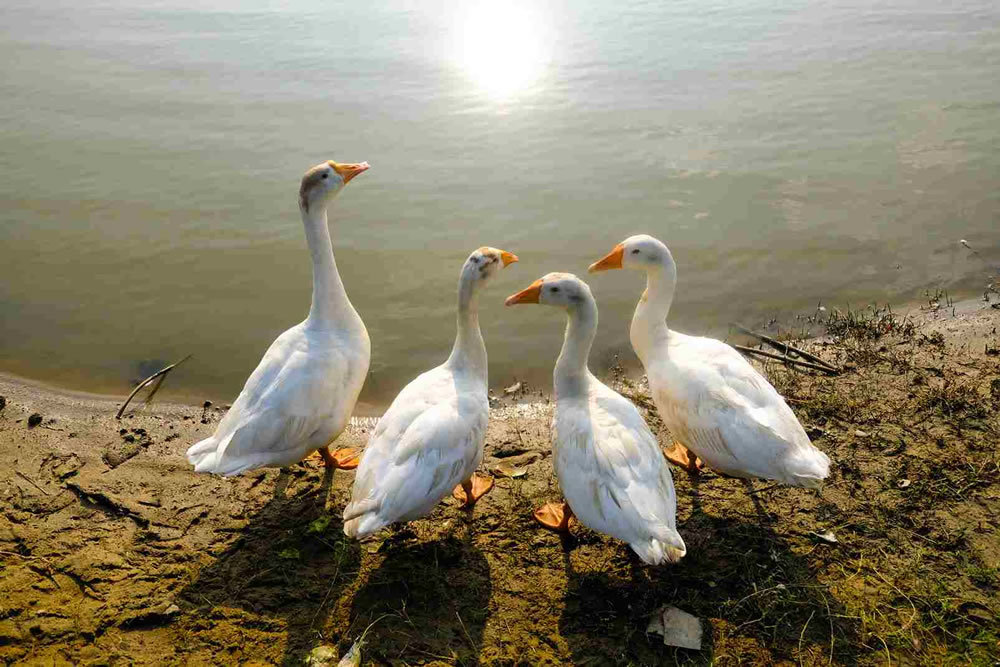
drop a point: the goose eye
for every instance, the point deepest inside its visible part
(555, 289)
(325, 174)
(635, 252)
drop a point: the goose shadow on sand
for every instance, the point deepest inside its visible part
(756, 598)
(276, 583)
(427, 599)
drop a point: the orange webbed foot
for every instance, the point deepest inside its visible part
(344, 459)
(554, 516)
(471, 490)
(681, 456)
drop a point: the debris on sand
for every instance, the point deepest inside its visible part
(513, 389)
(321, 656)
(34, 420)
(505, 469)
(827, 537)
(678, 628)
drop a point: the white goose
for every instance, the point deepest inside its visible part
(716, 405)
(609, 465)
(301, 395)
(430, 440)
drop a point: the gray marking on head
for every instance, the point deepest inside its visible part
(310, 181)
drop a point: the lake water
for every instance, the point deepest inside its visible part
(788, 152)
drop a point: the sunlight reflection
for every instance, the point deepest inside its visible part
(503, 46)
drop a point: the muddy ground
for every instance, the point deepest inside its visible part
(113, 552)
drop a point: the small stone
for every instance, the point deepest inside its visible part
(860, 433)
(34, 420)
(206, 404)
(903, 483)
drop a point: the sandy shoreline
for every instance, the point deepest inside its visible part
(41, 391)
(112, 551)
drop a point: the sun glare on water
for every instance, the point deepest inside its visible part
(503, 46)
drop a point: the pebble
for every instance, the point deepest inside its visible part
(34, 420)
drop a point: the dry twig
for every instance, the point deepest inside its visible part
(784, 348)
(31, 481)
(159, 376)
(788, 360)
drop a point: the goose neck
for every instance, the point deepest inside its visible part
(649, 322)
(571, 372)
(329, 300)
(469, 351)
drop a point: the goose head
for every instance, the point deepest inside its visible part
(486, 262)
(321, 183)
(640, 253)
(563, 290)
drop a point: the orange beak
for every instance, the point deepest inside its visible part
(613, 260)
(529, 294)
(348, 171)
(507, 258)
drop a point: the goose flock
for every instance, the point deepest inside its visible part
(614, 478)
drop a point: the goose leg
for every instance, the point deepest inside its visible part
(472, 489)
(345, 459)
(554, 516)
(680, 455)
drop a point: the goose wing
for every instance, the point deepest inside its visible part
(429, 441)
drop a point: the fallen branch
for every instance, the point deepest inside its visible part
(108, 504)
(159, 376)
(788, 360)
(784, 348)
(31, 481)
(24, 557)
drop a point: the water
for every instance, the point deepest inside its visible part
(787, 152)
